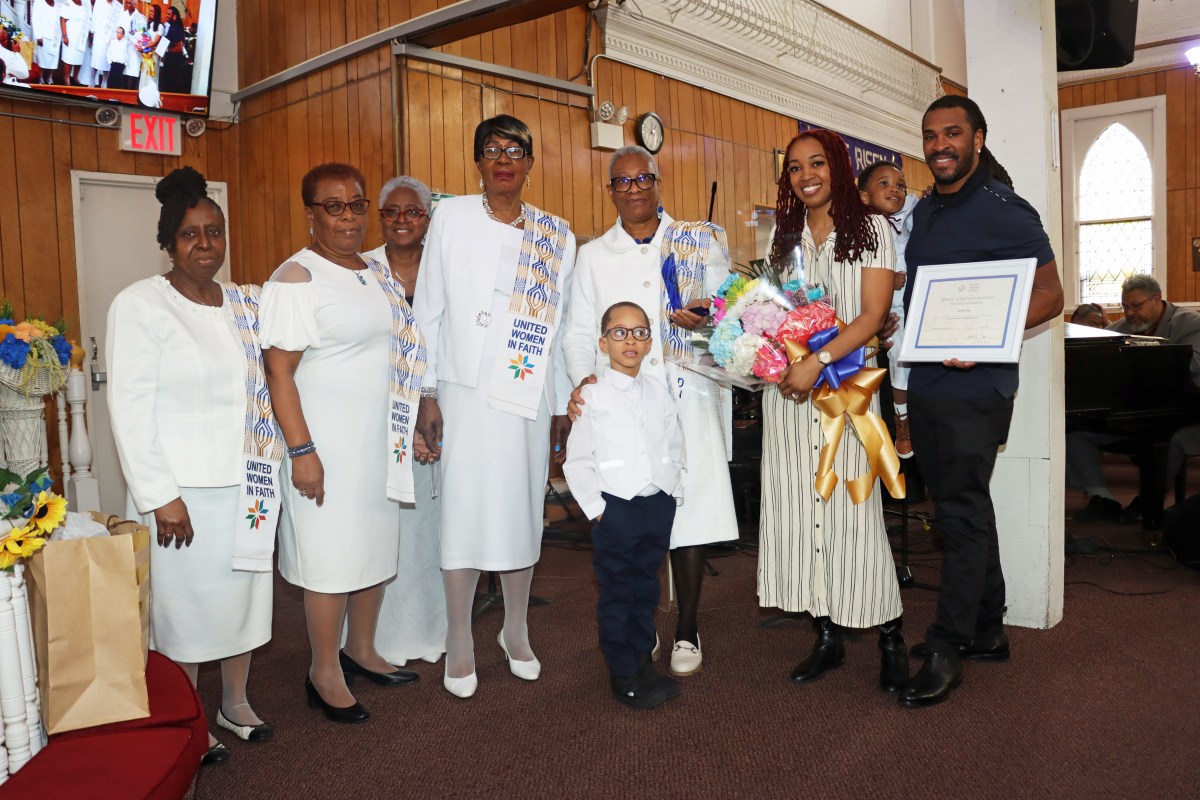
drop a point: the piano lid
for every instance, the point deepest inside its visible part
(1076, 335)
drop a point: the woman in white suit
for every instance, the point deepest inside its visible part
(47, 35)
(180, 347)
(490, 298)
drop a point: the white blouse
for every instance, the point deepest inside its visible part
(176, 392)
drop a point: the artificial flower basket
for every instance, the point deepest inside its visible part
(33, 363)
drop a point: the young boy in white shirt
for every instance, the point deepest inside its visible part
(623, 465)
(882, 187)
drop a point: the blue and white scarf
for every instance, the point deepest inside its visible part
(685, 253)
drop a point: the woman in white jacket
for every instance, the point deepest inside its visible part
(179, 353)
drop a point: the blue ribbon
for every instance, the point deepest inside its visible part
(841, 369)
(671, 280)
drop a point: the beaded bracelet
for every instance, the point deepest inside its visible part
(301, 450)
(429, 391)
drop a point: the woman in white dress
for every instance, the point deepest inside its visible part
(327, 328)
(103, 27)
(831, 559)
(412, 619)
(76, 19)
(177, 395)
(494, 279)
(47, 36)
(625, 264)
(148, 94)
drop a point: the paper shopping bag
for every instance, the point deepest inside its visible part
(87, 630)
(141, 562)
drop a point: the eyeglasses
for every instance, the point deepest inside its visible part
(1136, 306)
(516, 152)
(621, 334)
(334, 208)
(645, 180)
(412, 213)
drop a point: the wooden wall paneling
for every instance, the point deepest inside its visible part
(584, 182)
(436, 133)
(84, 154)
(299, 161)
(35, 168)
(457, 150)
(12, 254)
(1191, 141)
(53, 284)
(415, 118)
(567, 176)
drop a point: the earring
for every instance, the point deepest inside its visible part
(481, 183)
(979, 151)
(660, 210)
(528, 181)
(310, 230)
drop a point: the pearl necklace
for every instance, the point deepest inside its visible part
(189, 295)
(516, 223)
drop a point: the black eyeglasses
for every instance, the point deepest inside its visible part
(516, 152)
(1136, 306)
(412, 212)
(645, 180)
(621, 334)
(334, 208)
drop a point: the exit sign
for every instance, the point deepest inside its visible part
(150, 132)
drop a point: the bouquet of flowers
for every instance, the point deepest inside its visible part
(29, 511)
(759, 324)
(33, 354)
(145, 46)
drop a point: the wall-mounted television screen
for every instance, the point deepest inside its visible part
(149, 54)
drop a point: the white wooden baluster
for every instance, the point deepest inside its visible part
(64, 439)
(33, 710)
(12, 689)
(84, 494)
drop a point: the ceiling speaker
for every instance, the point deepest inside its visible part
(194, 126)
(107, 117)
(1095, 34)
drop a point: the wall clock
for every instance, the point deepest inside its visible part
(649, 130)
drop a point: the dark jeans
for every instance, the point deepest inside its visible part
(955, 442)
(629, 544)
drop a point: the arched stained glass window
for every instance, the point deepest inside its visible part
(1115, 239)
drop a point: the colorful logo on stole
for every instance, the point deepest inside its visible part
(258, 514)
(521, 367)
(399, 450)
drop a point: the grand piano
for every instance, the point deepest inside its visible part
(1137, 387)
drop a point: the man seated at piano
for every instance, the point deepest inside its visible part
(1089, 314)
(1146, 313)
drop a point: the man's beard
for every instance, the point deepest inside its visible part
(1138, 325)
(962, 167)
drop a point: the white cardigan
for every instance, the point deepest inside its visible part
(455, 286)
(176, 392)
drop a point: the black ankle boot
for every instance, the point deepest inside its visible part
(893, 658)
(828, 652)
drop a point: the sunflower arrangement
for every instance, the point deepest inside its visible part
(31, 510)
(33, 353)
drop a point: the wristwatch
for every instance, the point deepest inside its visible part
(825, 358)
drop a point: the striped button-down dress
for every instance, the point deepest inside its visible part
(829, 559)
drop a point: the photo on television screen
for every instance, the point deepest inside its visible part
(149, 54)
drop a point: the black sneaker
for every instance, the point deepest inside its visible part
(653, 677)
(636, 692)
(1099, 508)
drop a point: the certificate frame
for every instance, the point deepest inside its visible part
(940, 326)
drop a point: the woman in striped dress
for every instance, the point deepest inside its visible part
(831, 559)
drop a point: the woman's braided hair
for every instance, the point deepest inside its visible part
(978, 123)
(180, 191)
(851, 218)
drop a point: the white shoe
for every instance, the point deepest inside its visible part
(657, 648)
(685, 658)
(525, 670)
(460, 687)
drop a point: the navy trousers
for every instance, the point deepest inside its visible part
(629, 544)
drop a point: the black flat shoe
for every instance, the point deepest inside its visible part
(247, 733)
(217, 754)
(893, 658)
(992, 647)
(938, 677)
(348, 715)
(397, 678)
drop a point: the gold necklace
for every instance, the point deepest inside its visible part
(189, 295)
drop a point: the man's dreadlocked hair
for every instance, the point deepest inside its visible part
(978, 123)
(851, 219)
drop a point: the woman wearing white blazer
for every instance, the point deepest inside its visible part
(180, 347)
(490, 298)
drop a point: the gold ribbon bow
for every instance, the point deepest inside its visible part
(853, 399)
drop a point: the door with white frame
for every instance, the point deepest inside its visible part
(1114, 197)
(116, 222)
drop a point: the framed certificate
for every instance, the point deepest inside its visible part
(972, 312)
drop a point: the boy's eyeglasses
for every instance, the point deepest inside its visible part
(621, 334)
(334, 208)
(412, 213)
(645, 180)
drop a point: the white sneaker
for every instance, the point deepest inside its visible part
(685, 658)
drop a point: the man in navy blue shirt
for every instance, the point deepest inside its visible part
(960, 411)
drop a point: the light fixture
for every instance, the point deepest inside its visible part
(606, 111)
(622, 115)
(106, 116)
(1193, 56)
(194, 126)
